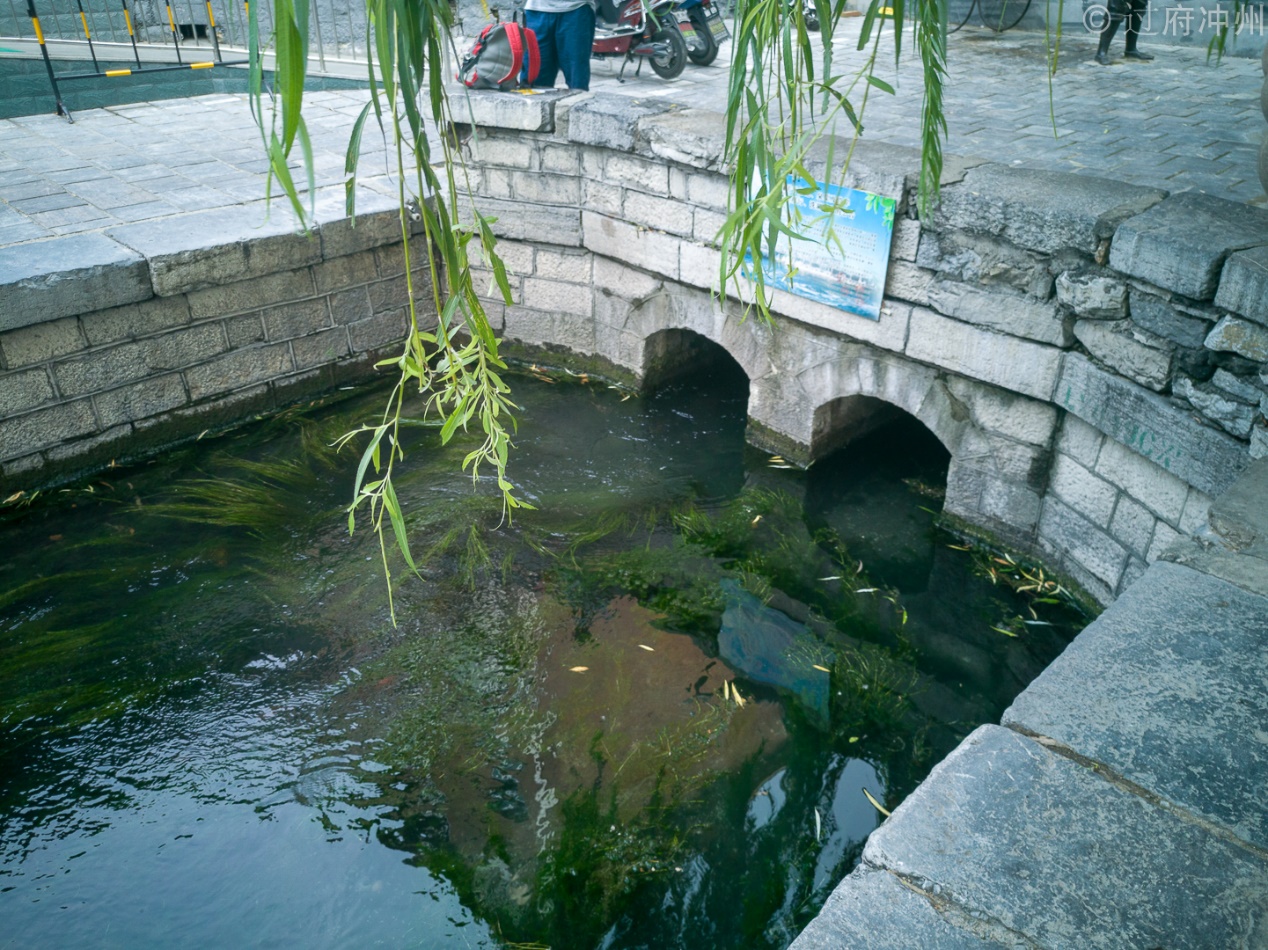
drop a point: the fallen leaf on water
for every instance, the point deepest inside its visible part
(14, 497)
(824, 668)
(755, 521)
(867, 590)
(739, 700)
(726, 689)
(644, 646)
(577, 669)
(834, 577)
(875, 804)
(55, 537)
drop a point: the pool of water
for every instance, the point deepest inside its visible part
(648, 714)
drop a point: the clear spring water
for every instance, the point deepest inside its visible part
(643, 715)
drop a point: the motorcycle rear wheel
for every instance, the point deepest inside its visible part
(670, 65)
(706, 49)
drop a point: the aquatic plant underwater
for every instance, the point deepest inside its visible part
(650, 712)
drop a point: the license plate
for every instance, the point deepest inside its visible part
(717, 25)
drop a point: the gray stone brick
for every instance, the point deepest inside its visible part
(1232, 415)
(1092, 296)
(135, 320)
(1182, 242)
(1159, 491)
(129, 362)
(1133, 572)
(538, 327)
(610, 121)
(488, 147)
(873, 909)
(1197, 509)
(1119, 696)
(244, 330)
(523, 221)
(1091, 496)
(1038, 210)
(41, 341)
(222, 246)
(67, 276)
(1009, 313)
(23, 390)
(602, 197)
(27, 433)
(1164, 537)
(139, 401)
(238, 370)
(1065, 532)
(1150, 425)
(1002, 804)
(986, 260)
(545, 188)
(906, 281)
(377, 222)
(1005, 361)
(1133, 352)
(320, 348)
(1157, 315)
(1080, 441)
(906, 239)
(1244, 285)
(560, 159)
(246, 295)
(1005, 413)
(663, 214)
(1232, 335)
(379, 330)
(384, 296)
(296, 319)
(1239, 387)
(567, 265)
(1133, 526)
(626, 242)
(341, 273)
(498, 110)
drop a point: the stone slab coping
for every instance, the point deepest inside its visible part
(1050, 853)
(1167, 689)
(64, 276)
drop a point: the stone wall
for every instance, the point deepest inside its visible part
(114, 344)
(1091, 353)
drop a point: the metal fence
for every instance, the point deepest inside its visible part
(337, 28)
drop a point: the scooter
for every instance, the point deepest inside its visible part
(642, 28)
(702, 27)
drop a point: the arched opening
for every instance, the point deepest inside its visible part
(881, 489)
(672, 355)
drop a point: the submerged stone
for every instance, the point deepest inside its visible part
(771, 648)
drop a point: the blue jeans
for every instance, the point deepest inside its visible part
(565, 40)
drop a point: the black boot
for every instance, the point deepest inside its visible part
(1107, 36)
(1133, 33)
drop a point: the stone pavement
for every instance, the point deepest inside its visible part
(1178, 123)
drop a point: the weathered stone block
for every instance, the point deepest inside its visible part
(1150, 425)
(878, 167)
(1182, 242)
(238, 369)
(638, 173)
(41, 341)
(1244, 285)
(139, 401)
(560, 160)
(244, 330)
(135, 320)
(1006, 361)
(524, 221)
(610, 121)
(1164, 537)
(490, 148)
(1006, 413)
(1158, 490)
(1038, 210)
(1133, 526)
(67, 276)
(545, 188)
(320, 348)
(1039, 320)
(251, 294)
(985, 260)
(378, 330)
(1232, 415)
(1259, 441)
(1080, 441)
(209, 248)
(888, 333)
(1135, 353)
(602, 197)
(1091, 496)
(906, 281)
(1241, 388)
(1197, 509)
(554, 329)
(23, 390)
(1159, 316)
(497, 110)
(129, 362)
(663, 214)
(350, 306)
(552, 296)
(905, 243)
(1002, 804)
(1092, 296)
(377, 222)
(1233, 335)
(1014, 506)
(626, 242)
(24, 434)
(613, 279)
(339, 273)
(872, 908)
(1065, 532)
(567, 264)
(1132, 692)
(693, 137)
(296, 319)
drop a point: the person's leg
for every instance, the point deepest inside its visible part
(574, 38)
(1134, 21)
(1107, 35)
(544, 26)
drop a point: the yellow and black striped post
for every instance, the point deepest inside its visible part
(83, 18)
(176, 40)
(211, 25)
(52, 78)
(127, 19)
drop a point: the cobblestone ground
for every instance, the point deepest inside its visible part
(1179, 122)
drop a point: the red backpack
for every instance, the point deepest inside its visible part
(498, 57)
